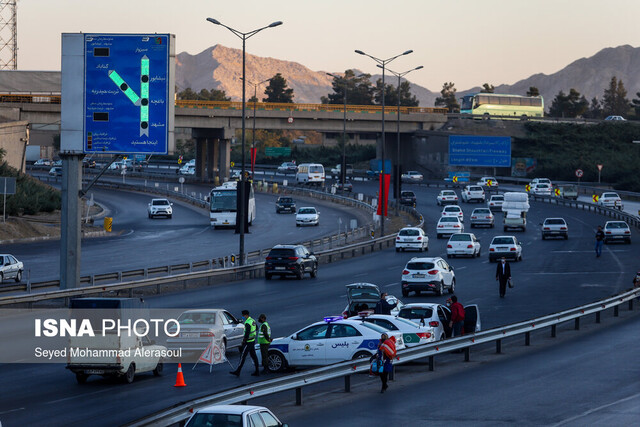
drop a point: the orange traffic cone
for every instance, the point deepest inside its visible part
(180, 378)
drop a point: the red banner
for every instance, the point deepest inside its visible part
(387, 180)
(253, 159)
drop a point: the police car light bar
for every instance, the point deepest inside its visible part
(330, 319)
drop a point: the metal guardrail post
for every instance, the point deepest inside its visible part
(577, 324)
(616, 312)
(29, 281)
(630, 305)
(467, 354)
(527, 338)
(347, 383)
(299, 396)
(498, 346)
(432, 362)
(598, 317)
(554, 330)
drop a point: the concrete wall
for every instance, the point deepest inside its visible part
(13, 140)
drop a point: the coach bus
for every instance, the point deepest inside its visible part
(494, 104)
(310, 173)
(223, 205)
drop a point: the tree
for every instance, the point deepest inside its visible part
(615, 102)
(359, 89)
(635, 103)
(571, 105)
(448, 98)
(487, 88)
(533, 91)
(277, 90)
(391, 94)
(204, 95)
(595, 109)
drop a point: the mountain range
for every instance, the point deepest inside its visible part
(220, 67)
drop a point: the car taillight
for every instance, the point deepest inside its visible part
(405, 272)
(207, 334)
(293, 258)
(474, 217)
(547, 228)
(469, 246)
(398, 238)
(456, 226)
(563, 228)
(512, 249)
(345, 315)
(627, 232)
(419, 238)
(434, 323)
(492, 250)
(269, 257)
(455, 198)
(432, 272)
(449, 246)
(441, 226)
(424, 334)
(608, 232)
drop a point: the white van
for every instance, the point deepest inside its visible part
(310, 173)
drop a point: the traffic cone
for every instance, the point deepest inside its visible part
(180, 378)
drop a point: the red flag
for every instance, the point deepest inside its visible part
(253, 158)
(387, 180)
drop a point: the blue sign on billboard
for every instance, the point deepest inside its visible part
(488, 151)
(126, 86)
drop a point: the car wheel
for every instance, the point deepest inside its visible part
(628, 241)
(397, 249)
(267, 276)
(170, 216)
(405, 293)
(439, 236)
(566, 237)
(81, 377)
(158, 371)
(479, 252)
(300, 273)
(130, 374)
(276, 362)
(1, 278)
(448, 255)
(361, 355)
(442, 337)
(426, 249)
(314, 272)
(441, 289)
(544, 237)
(19, 276)
(452, 288)
(520, 257)
(297, 225)
(150, 216)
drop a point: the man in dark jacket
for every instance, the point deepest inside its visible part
(599, 241)
(383, 307)
(503, 275)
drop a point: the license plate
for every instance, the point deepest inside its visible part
(418, 276)
(459, 252)
(502, 248)
(226, 222)
(279, 268)
(94, 371)
(190, 335)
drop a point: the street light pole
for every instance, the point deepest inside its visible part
(382, 63)
(255, 101)
(343, 168)
(399, 75)
(241, 208)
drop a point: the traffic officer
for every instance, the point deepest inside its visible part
(248, 344)
(264, 339)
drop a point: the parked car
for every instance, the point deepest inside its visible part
(427, 275)
(554, 227)
(288, 167)
(408, 198)
(330, 341)
(412, 238)
(447, 197)
(453, 210)
(234, 415)
(10, 268)
(412, 333)
(488, 181)
(55, 171)
(482, 216)
(448, 225)
(412, 176)
(495, 202)
(199, 327)
(615, 118)
(505, 246)
(42, 162)
(437, 317)
(617, 231)
(307, 216)
(473, 193)
(348, 186)
(364, 297)
(610, 200)
(463, 244)
(160, 207)
(290, 260)
(285, 204)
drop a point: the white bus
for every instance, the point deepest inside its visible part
(310, 173)
(223, 205)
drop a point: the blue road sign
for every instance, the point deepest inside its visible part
(488, 151)
(126, 86)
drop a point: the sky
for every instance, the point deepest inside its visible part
(466, 42)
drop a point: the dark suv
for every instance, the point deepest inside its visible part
(290, 260)
(285, 204)
(408, 198)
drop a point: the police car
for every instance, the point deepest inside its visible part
(331, 341)
(412, 333)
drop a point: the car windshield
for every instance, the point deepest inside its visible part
(160, 202)
(365, 293)
(449, 219)
(502, 241)
(497, 198)
(616, 225)
(554, 221)
(408, 194)
(448, 193)
(420, 265)
(416, 313)
(200, 318)
(285, 200)
(306, 211)
(409, 232)
(452, 209)
(460, 238)
(282, 253)
(215, 420)
(316, 169)
(481, 211)
(608, 195)
(475, 188)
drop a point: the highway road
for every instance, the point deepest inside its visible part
(555, 274)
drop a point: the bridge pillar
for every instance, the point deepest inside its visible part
(201, 150)
(225, 158)
(212, 158)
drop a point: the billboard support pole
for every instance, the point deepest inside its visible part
(70, 221)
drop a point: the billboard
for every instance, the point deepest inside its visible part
(521, 166)
(486, 151)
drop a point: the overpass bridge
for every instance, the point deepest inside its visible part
(214, 123)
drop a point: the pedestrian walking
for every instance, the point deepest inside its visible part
(383, 306)
(386, 353)
(599, 241)
(248, 346)
(264, 339)
(457, 317)
(503, 275)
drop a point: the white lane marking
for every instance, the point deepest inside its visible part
(127, 234)
(587, 252)
(75, 397)
(391, 284)
(591, 285)
(12, 410)
(599, 408)
(360, 274)
(460, 268)
(579, 272)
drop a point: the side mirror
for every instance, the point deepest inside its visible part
(171, 204)
(294, 336)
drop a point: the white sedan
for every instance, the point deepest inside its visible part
(610, 200)
(437, 317)
(233, 415)
(160, 207)
(307, 216)
(541, 189)
(463, 244)
(412, 333)
(10, 268)
(448, 225)
(412, 238)
(331, 341)
(412, 176)
(447, 197)
(453, 210)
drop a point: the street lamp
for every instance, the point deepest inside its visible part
(255, 98)
(383, 63)
(399, 75)
(244, 37)
(343, 168)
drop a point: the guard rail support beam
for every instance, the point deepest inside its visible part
(598, 317)
(498, 346)
(527, 338)
(577, 324)
(347, 383)
(554, 330)
(299, 396)
(432, 363)
(616, 312)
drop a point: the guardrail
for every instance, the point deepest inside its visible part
(180, 412)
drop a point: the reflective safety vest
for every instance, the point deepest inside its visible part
(261, 338)
(252, 329)
(389, 347)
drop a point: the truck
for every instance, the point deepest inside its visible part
(568, 191)
(515, 208)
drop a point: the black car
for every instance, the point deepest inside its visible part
(285, 204)
(290, 260)
(408, 198)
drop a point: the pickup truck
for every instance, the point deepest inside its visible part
(568, 192)
(515, 219)
(515, 208)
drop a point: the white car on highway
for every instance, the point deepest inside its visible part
(554, 227)
(428, 275)
(307, 216)
(330, 341)
(412, 176)
(412, 238)
(234, 415)
(541, 189)
(412, 333)
(482, 216)
(617, 231)
(473, 193)
(453, 210)
(199, 327)
(448, 225)
(437, 317)
(447, 197)
(505, 246)
(535, 181)
(495, 202)
(160, 207)
(463, 244)
(488, 181)
(610, 200)
(10, 268)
